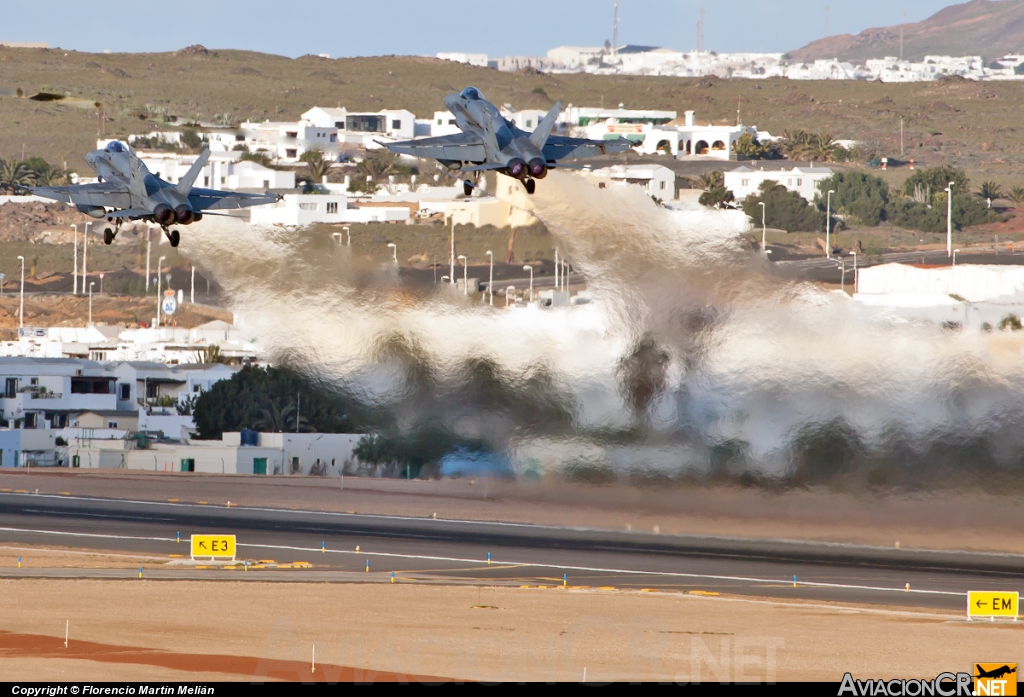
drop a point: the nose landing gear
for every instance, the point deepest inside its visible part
(531, 185)
(109, 235)
(467, 187)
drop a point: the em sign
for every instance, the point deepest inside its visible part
(169, 303)
(992, 604)
(213, 546)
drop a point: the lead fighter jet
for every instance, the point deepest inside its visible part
(127, 190)
(490, 142)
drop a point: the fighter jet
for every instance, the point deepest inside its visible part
(127, 190)
(490, 142)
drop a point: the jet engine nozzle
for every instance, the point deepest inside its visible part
(517, 168)
(538, 168)
(163, 214)
(184, 214)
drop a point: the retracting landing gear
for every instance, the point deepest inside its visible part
(173, 236)
(109, 235)
(467, 187)
(531, 185)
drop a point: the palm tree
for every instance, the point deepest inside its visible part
(48, 176)
(709, 181)
(1016, 195)
(15, 175)
(316, 164)
(378, 163)
(990, 190)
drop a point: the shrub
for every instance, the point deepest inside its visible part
(784, 209)
(858, 195)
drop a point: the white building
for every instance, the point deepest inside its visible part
(360, 128)
(223, 171)
(477, 59)
(50, 392)
(307, 209)
(656, 180)
(744, 181)
(692, 139)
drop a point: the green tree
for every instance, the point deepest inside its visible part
(784, 209)
(716, 198)
(750, 148)
(709, 181)
(378, 163)
(191, 139)
(317, 165)
(257, 397)
(260, 157)
(858, 197)
(937, 179)
(15, 175)
(1016, 195)
(990, 191)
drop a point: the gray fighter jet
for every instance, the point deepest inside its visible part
(490, 142)
(127, 190)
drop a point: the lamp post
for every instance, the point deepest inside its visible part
(394, 251)
(465, 274)
(557, 287)
(530, 269)
(348, 234)
(101, 283)
(192, 291)
(91, 284)
(856, 283)
(764, 229)
(949, 220)
(451, 255)
(2, 277)
(21, 302)
(509, 290)
(444, 278)
(149, 245)
(954, 256)
(842, 276)
(74, 288)
(337, 238)
(159, 265)
(490, 281)
(828, 224)
(85, 255)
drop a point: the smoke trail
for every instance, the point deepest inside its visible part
(694, 358)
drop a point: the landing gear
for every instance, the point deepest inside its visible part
(108, 236)
(531, 185)
(467, 187)
(173, 236)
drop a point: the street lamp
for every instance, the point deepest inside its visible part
(954, 256)
(192, 291)
(451, 256)
(159, 265)
(444, 278)
(91, 284)
(530, 269)
(509, 290)
(348, 233)
(856, 283)
(764, 229)
(949, 220)
(394, 251)
(85, 254)
(74, 288)
(557, 287)
(21, 303)
(828, 224)
(149, 245)
(337, 238)
(465, 273)
(842, 277)
(490, 282)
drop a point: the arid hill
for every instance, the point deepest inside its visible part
(977, 28)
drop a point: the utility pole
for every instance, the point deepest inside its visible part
(700, 33)
(901, 136)
(901, 33)
(826, 20)
(615, 31)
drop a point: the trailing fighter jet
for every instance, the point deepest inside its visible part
(490, 142)
(128, 191)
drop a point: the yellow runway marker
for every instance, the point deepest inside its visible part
(175, 556)
(202, 567)
(266, 561)
(64, 493)
(20, 491)
(6, 490)
(202, 503)
(173, 500)
(707, 593)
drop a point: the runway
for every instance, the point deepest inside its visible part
(427, 550)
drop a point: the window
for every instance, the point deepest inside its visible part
(396, 124)
(440, 122)
(744, 182)
(30, 419)
(661, 185)
(188, 464)
(197, 388)
(529, 123)
(292, 134)
(332, 207)
(340, 125)
(799, 182)
(206, 181)
(111, 424)
(600, 185)
(10, 387)
(266, 183)
(451, 122)
(124, 391)
(308, 206)
(291, 152)
(84, 385)
(296, 465)
(33, 381)
(334, 137)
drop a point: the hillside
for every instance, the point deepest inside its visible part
(968, 124)
(988, 28)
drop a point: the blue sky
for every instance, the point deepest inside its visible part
(424, 27)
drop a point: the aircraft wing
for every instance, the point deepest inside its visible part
(564, 148)
(110, 194)
(213, 200)
(460, 147)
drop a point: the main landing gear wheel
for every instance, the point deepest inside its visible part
(467, 188)
(175, 237)
(530, 185)
(108, 236)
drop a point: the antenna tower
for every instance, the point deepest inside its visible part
(826, 20)
(615, 31)
(700, 33)
(901, 33)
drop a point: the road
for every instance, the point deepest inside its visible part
(822, 269)
(428, 550)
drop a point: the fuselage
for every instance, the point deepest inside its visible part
(503, 141)
(116, 163)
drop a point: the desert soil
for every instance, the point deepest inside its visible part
(125, 628)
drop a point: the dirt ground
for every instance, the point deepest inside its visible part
(69, 311)
(470, 633)
(938, 520)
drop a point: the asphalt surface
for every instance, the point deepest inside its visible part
(822, 269)
(426, 550)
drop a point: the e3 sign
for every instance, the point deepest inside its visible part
(213, 546)
(992, 604)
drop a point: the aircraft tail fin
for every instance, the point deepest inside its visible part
(185, 183)
(540, 136)
(136, 177)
